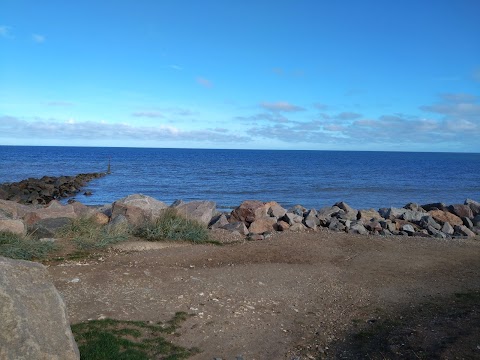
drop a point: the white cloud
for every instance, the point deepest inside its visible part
(204, 82)
(6, 32)
(281, 106)
(39, 39)
(148, 114)
(13, 127)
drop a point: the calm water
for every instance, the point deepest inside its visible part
(310, 178)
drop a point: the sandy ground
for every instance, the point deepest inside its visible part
(271, 298)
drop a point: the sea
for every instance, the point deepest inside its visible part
(313, 179)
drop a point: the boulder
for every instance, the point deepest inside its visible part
(53, 210)
(346, 215)
(414, 207)
(444, 216)
(200, 211)
(373, 225)
(218, 221)
(298, 227)
(249, 210)
(434, 206)
(461, 210)
(447, 228)
(47, 228)
(388, 225)
(282, 226)
(427, 220)
(467, 222)
(298, 210)
(408, 228)
(462, 230)
(358, 228)
(34, 322)
(237, 226)
(412, 215)
(292, 218)
(392, 213)
(261, 225)
(14, 226)
(474, 206)
(336, 225)
(367, 215)
(100, 218)
(138, 208)
(311, 223)
(276, 211)
(476, 220)
(13, 209)
(327, 212)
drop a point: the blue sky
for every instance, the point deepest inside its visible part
(305, 74)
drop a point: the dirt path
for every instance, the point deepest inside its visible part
(266, 300)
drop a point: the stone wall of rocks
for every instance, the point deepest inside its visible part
(48, 188)
(257, 219)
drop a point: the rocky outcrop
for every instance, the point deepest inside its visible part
(138, 208)
(34, 322)
(42, 191)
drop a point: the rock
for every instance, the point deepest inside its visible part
(298, 227)
(474, 206)
(358, 228)
(434, 206)
(200, 211)
(350, 213)
(342, 214)
(408, 228)
(444, 216)
(218, 221)
(367, 215)
(13, 209)
(53, 210)
(327, 212)
(82, 210)
(138, 208)
(447, 228)
(249, 210)
(119, 222)
(49, 227)
(462, 230)
(476, 220)
(388, 225)
(298, 210)
(261, 225)
(14, 226)
(373, 225)
(255, 237)
(282, 226)
(237, 226)
(311, 223)
(435, 232)
(336, 225)
(412, 216)
(414, 207)
(392, 213)
(100, 218)
(461, 210)
(429, 221)
(467, 222)
(34, 321)
(311, 217)
(275, 210)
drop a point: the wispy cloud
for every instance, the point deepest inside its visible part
(281, 106)
(6, 32)
(476, 74)
(59, 103)
(271, 117)
(204, 82)
(321, 106)
(88, 130)
(148, 114)
(343, 116)
(39, 39)
(175, 67)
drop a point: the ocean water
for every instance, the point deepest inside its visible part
(311, 178)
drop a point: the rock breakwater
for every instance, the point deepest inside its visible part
(42, 191)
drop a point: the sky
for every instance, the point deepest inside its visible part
(241, 74)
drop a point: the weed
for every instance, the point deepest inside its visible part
(88, 235)
(110, 339)
(23, 247)
(172, 226)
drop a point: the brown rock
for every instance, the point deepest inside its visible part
(138, 208)
(237, 226)
(14, 226)
(461, 210)
(443, 216)
(249, 210)
(100, 219)
(200, 211)
(282, 226)
(464, 231)
(261, 225)
(367, 215)
(298, 227)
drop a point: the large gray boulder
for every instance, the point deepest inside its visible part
(34, 322)
(474, 206)
(200, 211)
(138, 208)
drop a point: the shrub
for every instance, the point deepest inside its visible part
(23, 247)
(172, 226)
(87, 234)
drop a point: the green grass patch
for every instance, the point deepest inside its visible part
(88, 235)
(23, 247)
(172, 226)
(110, 339)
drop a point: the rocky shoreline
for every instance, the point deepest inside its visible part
(42, 191)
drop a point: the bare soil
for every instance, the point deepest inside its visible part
(292, 296)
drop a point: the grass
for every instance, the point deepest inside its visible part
(23, 247)
(172, 226)
(88, 235)
(110, 339)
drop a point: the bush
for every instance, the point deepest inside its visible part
(23, 247)
(172, 226)
(87, 234)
